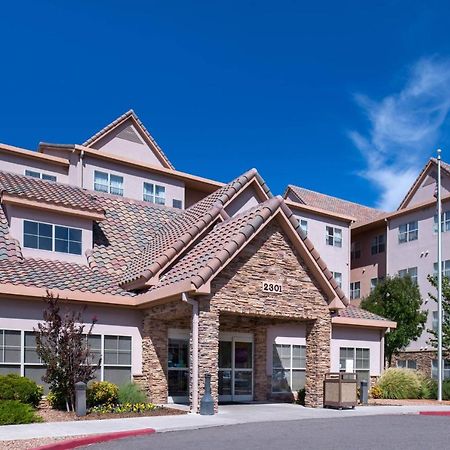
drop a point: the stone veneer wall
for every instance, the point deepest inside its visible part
(423, 360)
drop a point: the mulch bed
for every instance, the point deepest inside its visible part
(52, 415)
(406, 402)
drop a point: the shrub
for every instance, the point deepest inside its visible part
(131, 393)
(376, 392)
(401, 383)
(445, 389)
(102, 393)
(14, 412)
(56, 400)
(15, 387)
(301, 395)
(124, 408)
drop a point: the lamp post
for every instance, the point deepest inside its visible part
(439, 274)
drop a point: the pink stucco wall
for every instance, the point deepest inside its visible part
(246, 200)
(426, 190)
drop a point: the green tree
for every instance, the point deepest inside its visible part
(446, 316)
(62, 344)
(398, 299)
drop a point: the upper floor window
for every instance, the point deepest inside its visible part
(42, 176)
(355, 290)
(45, 236)
(338, 277)
(408, 232)
(177, 204)
(411, 271)
(445, 222)
(355, 250)
(445, 268)
(154, 193)
(334, 236)
(304, 226)
(377, 245)
(107, 182)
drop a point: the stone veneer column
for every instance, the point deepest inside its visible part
(208, 349)
(154, 355)
(262, 390)
(317, 359)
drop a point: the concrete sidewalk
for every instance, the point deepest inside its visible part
(228, 415)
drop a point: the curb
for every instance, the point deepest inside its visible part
(434, 413)
(95, 439)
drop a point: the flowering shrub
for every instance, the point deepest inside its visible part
(124, 408)
(102, 393)
(376, 392)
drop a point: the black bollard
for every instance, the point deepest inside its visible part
(207, 402)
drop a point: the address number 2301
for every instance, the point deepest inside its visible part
(272, 287)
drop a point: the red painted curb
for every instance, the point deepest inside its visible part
(74, 443)
(434, 413)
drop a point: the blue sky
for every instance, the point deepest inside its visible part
(347, 98)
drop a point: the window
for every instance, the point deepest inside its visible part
(288, 367)
(357, 359)
(377, 244)
(434, 369)
(407, 364)
(304, 226)
(334, 237)
(154, 193)
(177, 204)
(374, 283)
(355, 290)
(408, 232)
(115, 352)
(355, 251)
(445, 268)
(42, 176)
(106, 182)
(338, 277)
(435, 320)
(44, 236)
(411, 271)
(445, 222)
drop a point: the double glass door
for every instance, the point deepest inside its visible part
(235, 368)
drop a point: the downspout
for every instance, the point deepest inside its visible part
(194, 304)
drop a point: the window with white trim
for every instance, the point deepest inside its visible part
(355, 290)
(40, 175)
(410, 271)
(408, 232)
(377, 244)
(304, 226)
(445, 222)
(407, 364)
(50, 237)
(108, 182)
(374, 282)
(355, 250)
(10, 351)
(360, 361)
(177, 204)
(445, 268)
(334, 236)
(288, 367)
(434, 369)
(154, 193)
(338, 277)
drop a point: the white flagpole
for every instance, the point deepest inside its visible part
(439, 276)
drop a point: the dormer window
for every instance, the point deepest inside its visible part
(40, 175)
(107, 182)
(154, 193)
(56, 238)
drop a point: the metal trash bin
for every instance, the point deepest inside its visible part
(339, 390)
(364, 392)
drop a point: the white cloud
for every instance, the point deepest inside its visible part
(404, 129)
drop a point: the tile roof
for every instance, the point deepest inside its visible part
(334, 204)
(178, 233)
(48, 192)
(219, 245)
(353, 312)
(122, 118)
(9, 247)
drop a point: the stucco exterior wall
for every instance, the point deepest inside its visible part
(16, 216)
(133, 179)
(26, 314)
(427, 189)
(246, 200)
(421, 253)
(336, 258)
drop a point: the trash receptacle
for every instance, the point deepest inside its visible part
(364, 392)
(339, 390)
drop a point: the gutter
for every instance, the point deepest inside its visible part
(195, 342)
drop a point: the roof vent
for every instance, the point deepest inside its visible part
(129, 134)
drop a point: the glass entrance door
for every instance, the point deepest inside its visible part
(178, 370)
(235, 369)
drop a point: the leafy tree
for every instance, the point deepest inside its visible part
(398, 299)
(446, 316)
(61, 343)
